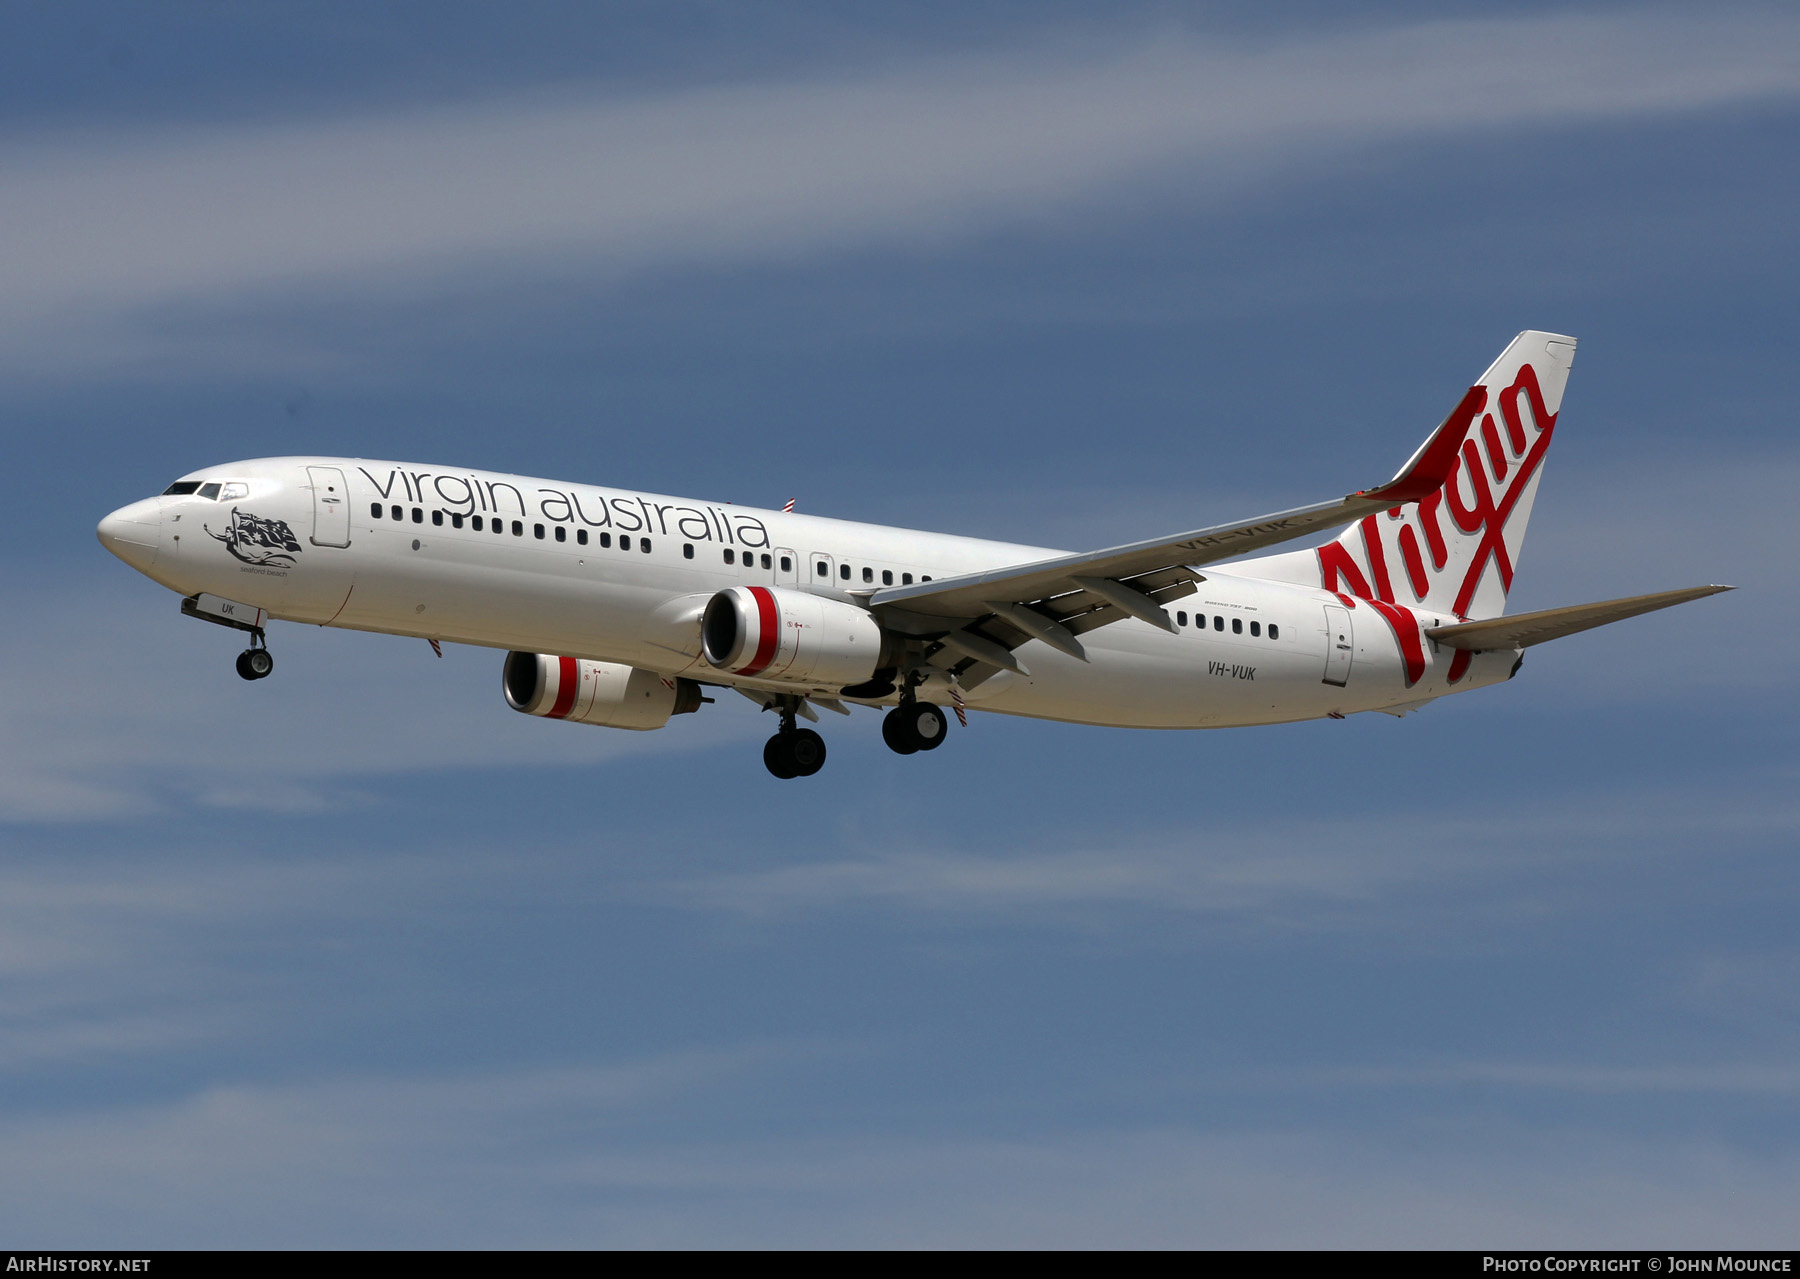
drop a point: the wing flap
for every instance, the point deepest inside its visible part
(961, 597)
(1525, 629)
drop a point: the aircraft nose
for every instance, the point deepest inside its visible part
(134, 533)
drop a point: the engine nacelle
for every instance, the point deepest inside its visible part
(589, 692)
(768, 633)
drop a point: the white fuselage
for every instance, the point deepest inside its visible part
(556, 577)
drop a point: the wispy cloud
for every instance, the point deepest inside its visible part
(539, 1160)
(99, 226)
(106, 956)
(1260, 873)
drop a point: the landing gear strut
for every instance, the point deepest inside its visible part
(913, 725)
(256, 662)
(793, 752)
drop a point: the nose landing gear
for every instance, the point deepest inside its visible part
(256, 662)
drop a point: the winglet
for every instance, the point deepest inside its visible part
(1428, 470)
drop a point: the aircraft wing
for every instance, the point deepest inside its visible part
(982, 617)
(1525, 629)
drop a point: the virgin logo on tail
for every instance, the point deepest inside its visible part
(1442, 545)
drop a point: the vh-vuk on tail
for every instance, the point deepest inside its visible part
(621, 609)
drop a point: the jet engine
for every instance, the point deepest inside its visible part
(589, 692)
(769, 633)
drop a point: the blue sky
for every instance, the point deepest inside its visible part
(358, 956)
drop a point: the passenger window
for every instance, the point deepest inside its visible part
(687, 550)
(906, 579)
(926, 578)
(418, 515)
(475, 523)
(844, 571)
(644, 545)
(456, 519)
(581, 536)
(1218, 622)
(1256, 628)
(730, 556)
(887, 577)
(606, 540)
(868, 575)
(182, 488)
(396, 513)
(437, 518)
(499, 525)
(562, 534)
(823, 571)
(375, 509)
(519, 529)
(209, 491)
(787, 564)
(624, 542)
(537, 531)
(1181, 619)
(765, 561)
(1274, 631)
(1237, 626)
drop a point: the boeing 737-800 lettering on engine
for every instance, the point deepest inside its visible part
(620, 608)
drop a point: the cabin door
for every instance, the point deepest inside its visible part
(1339, 645)
(331, 506)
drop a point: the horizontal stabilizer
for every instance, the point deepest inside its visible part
(1526, 629)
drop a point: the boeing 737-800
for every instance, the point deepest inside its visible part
(620, 608)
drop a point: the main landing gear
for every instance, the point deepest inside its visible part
(910, 727)
(793, 752)
(256, 662)
(914, 726)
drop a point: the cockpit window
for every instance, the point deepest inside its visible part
(232, 492)
(181, 488)
(209, 490)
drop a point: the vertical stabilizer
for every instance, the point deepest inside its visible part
(1454, 550)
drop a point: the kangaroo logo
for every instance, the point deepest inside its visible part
(256, 540)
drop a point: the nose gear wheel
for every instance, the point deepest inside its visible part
(256, 662)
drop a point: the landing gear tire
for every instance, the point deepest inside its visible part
(893, 732)
(929, 727)
(807, 749)
(778, 759)
(914, 726)
(794, 753)
(255, 663)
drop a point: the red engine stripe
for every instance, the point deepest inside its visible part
(567, 685)
(768, 619)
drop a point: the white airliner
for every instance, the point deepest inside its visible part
(619, 608)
